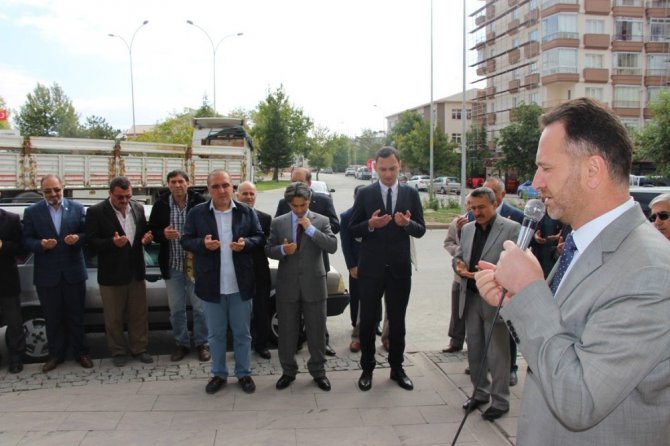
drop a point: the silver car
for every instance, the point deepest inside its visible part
(34, 324)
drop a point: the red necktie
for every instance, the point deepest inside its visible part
(298, 235)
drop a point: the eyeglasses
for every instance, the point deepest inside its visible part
(54, 190)
(662, 215)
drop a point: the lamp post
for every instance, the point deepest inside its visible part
(130, 55)
(215, 48)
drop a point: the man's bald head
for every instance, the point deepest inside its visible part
(301, 175)
(246, 193)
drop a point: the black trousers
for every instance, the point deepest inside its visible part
(10, 311)
(63, 307)
(261, 321)
(456, 324)
(397, 297)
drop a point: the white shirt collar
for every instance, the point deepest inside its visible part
(587, 233)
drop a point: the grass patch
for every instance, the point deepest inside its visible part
(271, 185)
(441, 209)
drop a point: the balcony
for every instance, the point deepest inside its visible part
(514, 85)
(490, 12)
(596, 75)
(481, 94)
(491, 66)
(531, 49)
(596, 41)
(627, 109)
(513, 26)
(657, 47)
(560, 40)
(626, 76)
(561, 75)
(480, 20)
(531, 17)
(514, 56)
(490, 118)
(490, 37)
(490, 92)
(551, 7)
(628, 8)
(532, 81)
(597, 7)
(657, 9)
(626, 43)
(657, 77)
(481, 71)
(512, 2)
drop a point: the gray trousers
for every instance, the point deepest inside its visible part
(478, 317)
(314, 314)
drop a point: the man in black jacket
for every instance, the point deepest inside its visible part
(167, 220)
(246, 193)
(117, 231)
(10, 242)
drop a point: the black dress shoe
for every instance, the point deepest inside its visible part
(15, 365)
(472, 403)
(513, 378)
(264, 353)
(323, 383)
(179, 353)
(452, 349)
(365, 381)
(215, 384)
(401, 377)
(467, 370)
(284, 381)
(329, 350)
(247, 384)
(493, 413)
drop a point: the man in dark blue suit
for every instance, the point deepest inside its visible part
(53, 230)
(385, 215)
(515, 214)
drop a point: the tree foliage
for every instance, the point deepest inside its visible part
(519, 140)
(343, 150)
(412, 139)
(48, 112)
(176, 129)
(477, 150)
(654, 141)
(280, 131)
(97, 127)
(321, 149)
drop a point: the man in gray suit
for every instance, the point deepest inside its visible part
(301, 282)
(482, 239)
(595, 334)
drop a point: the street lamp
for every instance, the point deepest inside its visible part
(130, 55)
(214, 50)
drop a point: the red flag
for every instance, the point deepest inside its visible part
(3, 114)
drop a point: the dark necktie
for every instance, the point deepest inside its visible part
(389, 201)
(298, 235)
(569, 249)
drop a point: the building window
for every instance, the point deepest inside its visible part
(532, 68)
(626, 64)
(456, 114)
(548, 3)
(660, 30)
(532, 36)
(593, 61)
(631, 124)
(653, 93)
(626, 97)
(456, 137)
(594, 92)
(559, 26)
(534, 98)
(658, 65)
(628, 29)
(468, 114)
(515, 42)
(559, 60)
(532, 5)
(595, 26)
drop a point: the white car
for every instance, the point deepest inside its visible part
(320, 187)
(446, 185)
(419, 182)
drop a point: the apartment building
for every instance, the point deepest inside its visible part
(448, 114)
(548, 51)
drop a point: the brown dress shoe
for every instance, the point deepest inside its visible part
(85, 361)
(179, 353)
(355, 346)
(203, 353)
(452, 349)
(51, 364)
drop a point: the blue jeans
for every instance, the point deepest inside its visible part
(233, 311)
(180, 292)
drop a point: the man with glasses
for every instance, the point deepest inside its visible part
(117, 230)
(53, 230)
(660, 210)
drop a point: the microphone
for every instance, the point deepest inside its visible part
(532, 214)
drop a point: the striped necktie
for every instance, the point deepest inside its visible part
(569, 249)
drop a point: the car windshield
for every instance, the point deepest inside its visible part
(319, 187)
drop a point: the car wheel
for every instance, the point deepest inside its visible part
(443, 191)
(35, 331)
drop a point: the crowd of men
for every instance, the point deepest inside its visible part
(590, 321)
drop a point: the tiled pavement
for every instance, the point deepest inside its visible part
(165, 403)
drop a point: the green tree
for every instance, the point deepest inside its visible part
(48, 112)
(654, 141)
(342, 152)
(205, 110)
(176, 129)
(280, 130)
(477, 150)
(97, 127)
(321, 149)
(519, 140)
(4, 124)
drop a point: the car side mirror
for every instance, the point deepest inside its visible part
(332, 190)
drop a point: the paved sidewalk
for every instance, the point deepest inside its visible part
(165, 403)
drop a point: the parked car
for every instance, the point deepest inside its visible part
(320, 187)
(446, 185)
(34, 325)
(327, 170)
(402, 179)
(644, 194)
(363, 173)
(527, 191)
(419, 182)
(350, 172)
(373, 176)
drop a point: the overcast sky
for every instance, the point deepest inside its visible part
(346, 63)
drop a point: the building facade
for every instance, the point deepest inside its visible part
(548, 51)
